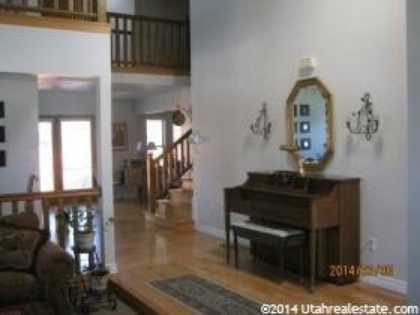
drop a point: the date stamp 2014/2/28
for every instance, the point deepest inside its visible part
(362, 270)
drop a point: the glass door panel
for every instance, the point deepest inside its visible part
(76, 150)
(46, 160)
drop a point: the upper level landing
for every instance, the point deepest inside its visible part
(138, 43)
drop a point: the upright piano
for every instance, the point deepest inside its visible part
(327, 207)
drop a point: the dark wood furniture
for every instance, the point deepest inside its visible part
(135, 176)
(280, 236)
(328, 207)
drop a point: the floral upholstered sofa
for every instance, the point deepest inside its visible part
(34, 272)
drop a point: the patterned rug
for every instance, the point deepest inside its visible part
(205, 297)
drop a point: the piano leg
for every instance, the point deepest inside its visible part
(312, 251)
(235, 246)
(227, 231)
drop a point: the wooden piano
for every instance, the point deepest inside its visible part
(328, 207)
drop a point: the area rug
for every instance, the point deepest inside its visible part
(205, 297)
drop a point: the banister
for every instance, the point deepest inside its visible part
(148, 44)
(184, 137)
(48, 200)
(49, 195)
(167, 168)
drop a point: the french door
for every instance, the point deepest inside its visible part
(66, 153)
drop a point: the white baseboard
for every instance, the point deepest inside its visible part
(211, 231)
(389, 283)
(220, 234)
(113, 268)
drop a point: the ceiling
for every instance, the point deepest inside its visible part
(123, 87)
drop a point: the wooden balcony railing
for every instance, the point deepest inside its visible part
(140, 42)
(49, 202)
(167, 168)
(85, 10)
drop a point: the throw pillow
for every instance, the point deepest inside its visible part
(19, 246)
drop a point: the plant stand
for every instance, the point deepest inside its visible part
(85, 300)
(91, 257)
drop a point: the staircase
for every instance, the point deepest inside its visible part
(175, 212)
(170, 186)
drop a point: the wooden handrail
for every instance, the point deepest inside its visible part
(145, 18)
(168, 168)
(49, 200)
(139, 41)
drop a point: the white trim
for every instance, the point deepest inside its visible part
(389, 283)
(211, 230)
(220, 234)
(113, 268)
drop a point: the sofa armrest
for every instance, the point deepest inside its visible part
(54, 269)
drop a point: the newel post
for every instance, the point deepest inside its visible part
(151, 183)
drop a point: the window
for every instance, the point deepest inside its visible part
(176, 132)
(155, 132)
(65, 153)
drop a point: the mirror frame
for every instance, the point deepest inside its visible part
(329, 117)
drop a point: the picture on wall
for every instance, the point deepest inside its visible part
(119, 136)
(2, 158)
(2, 134)
(304, 110)
(2, 114)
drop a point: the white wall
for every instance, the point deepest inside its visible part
(413, 66)
(67, 103)
(20, 96)
(121, 6)
(73, 54)
(124, 111)
(172, 9)
(165, 101)
(245, 52)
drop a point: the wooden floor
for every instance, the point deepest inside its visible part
(146, 253)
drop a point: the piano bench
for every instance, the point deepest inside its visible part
(281, 236)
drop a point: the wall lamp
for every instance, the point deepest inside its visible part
(261, 125)
(364, 122)
(143, 148)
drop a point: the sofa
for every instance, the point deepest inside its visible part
(34, 272)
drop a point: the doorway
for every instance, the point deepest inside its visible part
(66, 153)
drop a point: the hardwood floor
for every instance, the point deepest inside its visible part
(145, 253)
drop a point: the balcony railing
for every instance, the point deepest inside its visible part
(140, 42)
(84, 10)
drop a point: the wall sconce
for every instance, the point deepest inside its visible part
(365, 122)
(261, 125)
(196, 137)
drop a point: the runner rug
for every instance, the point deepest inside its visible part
(205, 297)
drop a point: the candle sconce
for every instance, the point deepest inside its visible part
(261, 125)
(365, 121)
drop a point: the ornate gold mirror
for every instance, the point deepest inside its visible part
(309, 118)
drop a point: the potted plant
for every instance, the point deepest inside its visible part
(81, 219)
(98, 276)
